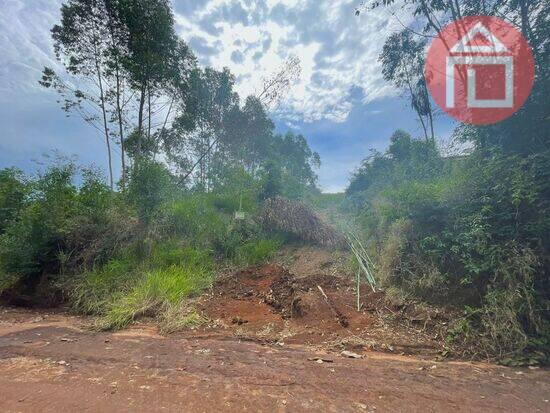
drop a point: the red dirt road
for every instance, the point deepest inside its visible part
(51, 363)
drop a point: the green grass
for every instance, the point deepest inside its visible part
(131, 286)
(158, 290)
(158, 279)
(256, 252)
(171, 276)
(93, 291)
(173, 252)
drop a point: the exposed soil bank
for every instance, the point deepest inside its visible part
(273, 304)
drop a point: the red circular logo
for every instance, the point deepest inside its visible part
(480, 70)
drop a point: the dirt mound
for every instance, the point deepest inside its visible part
(270, 303)
(306, 261)
(282, 291)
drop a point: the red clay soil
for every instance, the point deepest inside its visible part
(51, 363)
(269, 303)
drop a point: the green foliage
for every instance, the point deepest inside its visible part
(175, 253)
(194, 217)
(207, 221)
(256, 252)
(13, 191)
(158, 289)
(132, 285)
(34, 239)
(272, 182)
(472, 231)
(92, 292)
(61, 225)
(150, 186)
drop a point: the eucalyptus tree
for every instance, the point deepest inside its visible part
(257, 132)
(297, 158)
(125, 71)
(201, 124)
(152, 46)
(80, 47)
(117, 53)
(276, 85)
(402, 61)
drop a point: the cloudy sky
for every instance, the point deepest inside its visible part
(341, 103)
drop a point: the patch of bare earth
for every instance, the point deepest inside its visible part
(53, 368)
(271, 303)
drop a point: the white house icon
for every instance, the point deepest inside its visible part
(467, 52)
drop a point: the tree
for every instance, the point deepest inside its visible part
(272, 183)
(113, 51)
(276, 86)
(79, 44)
(117, 53)
(403, 64)
(152, 49)
(296, 158)
(256, 135)
(200, 127)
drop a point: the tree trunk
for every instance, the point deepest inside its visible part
(107, 139)
(430, 112)
(120, 127)
(140, 122)
(415, 107)
(103, 110)
(114, 46)
(149, 111)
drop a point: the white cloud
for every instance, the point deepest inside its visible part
(338, 50)
(25, 44)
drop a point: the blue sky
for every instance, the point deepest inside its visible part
(340, 104)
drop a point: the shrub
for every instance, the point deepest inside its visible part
(62, 228)
(195, 218)
(150, 186)
(13, 193)
(31, 242)
(471, 231)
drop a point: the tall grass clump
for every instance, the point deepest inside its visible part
(171, 272)
(157, 292)
(92, 291)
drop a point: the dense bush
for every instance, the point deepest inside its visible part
(58, 224)
(13, 191)
(66, 236)
(470, 231)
